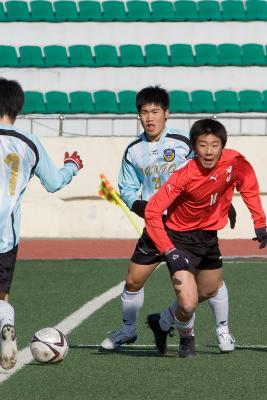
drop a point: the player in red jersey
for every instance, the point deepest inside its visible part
(197, 198)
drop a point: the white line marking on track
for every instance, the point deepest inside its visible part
(67, 325)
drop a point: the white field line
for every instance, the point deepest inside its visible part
(67, 325)
(174, 346)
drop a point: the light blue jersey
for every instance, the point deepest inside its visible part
(147, 165)
(21, 157)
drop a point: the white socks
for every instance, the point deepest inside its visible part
(220, 308)
(185, 329)
(6, 314)
(131, 303)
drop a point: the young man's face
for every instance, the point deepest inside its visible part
(153, 120)
(208, 149)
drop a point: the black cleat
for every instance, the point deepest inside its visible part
(159, 335)
(187, 347)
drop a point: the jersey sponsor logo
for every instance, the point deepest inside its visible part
(159, 169)
(213, 178)
(154, 153)
(169, 155)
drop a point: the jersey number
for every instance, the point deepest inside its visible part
(12, 160)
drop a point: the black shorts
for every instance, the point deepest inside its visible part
(7, 267)
(145, 252)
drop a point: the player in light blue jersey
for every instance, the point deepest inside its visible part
(21, 157)
(147, 163)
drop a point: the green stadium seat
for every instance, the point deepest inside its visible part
(106, 56)
(8, 56)
(90, 10)
(114, 11)
(253, 54)
(106, 102)
(251, 101)
(181, 54)
(186, 10)
(209, 10)
(3, 17)
(162, 10)
(226, 101)
(156, 54)
(34, 103)
(57, 103)
(42, 11)
(229, 54)
(233, 10)
(131, 55)
(127, 102)
(17, 11)
(179, 102)
(264, 96)
(81, 56)
(256, 10)
(138, 10)
(65, 10)
(31, 56)
(81, 102)
(56, 56)
(206, 54)
(202, 101)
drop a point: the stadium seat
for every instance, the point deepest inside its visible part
(209, 10)
(186, 10)
(264, 96)
(256, 10)
(81, 56)
(156, 54)
(179, 102)
(181, 54)
(106, 56)
(206, 54)
(127, 102)
(233, 10)
(31, 56)
(57, 103)
(229, 54)
(17, 11)
(3, 17)
(65, 10)
(251, 101)
(56, 56)
(34, 103)
(106, 102)
(90, 10)
(81, 102)
(138, 10)
(42, 11)
(202, 101)
(162, 10)
(131, 55)
(114, 11)
(226, 101)
(253, 54)
(8, 56)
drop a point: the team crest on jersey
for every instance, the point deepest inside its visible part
(169, 155)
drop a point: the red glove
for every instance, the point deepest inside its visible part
(74, 158)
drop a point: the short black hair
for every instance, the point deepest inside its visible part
(11, 98)
(208, 126)
(152, 94)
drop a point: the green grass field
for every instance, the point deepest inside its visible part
(46, 292)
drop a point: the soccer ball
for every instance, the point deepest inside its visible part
(49, 345)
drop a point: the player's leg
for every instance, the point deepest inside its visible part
(8, 346)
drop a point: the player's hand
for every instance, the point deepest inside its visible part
(261, 236)
(177, 260)
(73, 158)
(232, 216)
(139, 207)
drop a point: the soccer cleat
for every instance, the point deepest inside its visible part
(117, 338)
(8, 347)
(226, 342)
(187, 347)
(159, 335)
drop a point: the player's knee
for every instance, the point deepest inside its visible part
(133, 285)
(207, 294)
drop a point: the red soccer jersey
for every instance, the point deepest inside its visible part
(199, 198)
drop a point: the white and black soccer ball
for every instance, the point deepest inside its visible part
(49, 345)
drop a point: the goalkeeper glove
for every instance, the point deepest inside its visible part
(232, 216)
(177, 260)
(73, 158)
(261, 236)
(139, 207)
